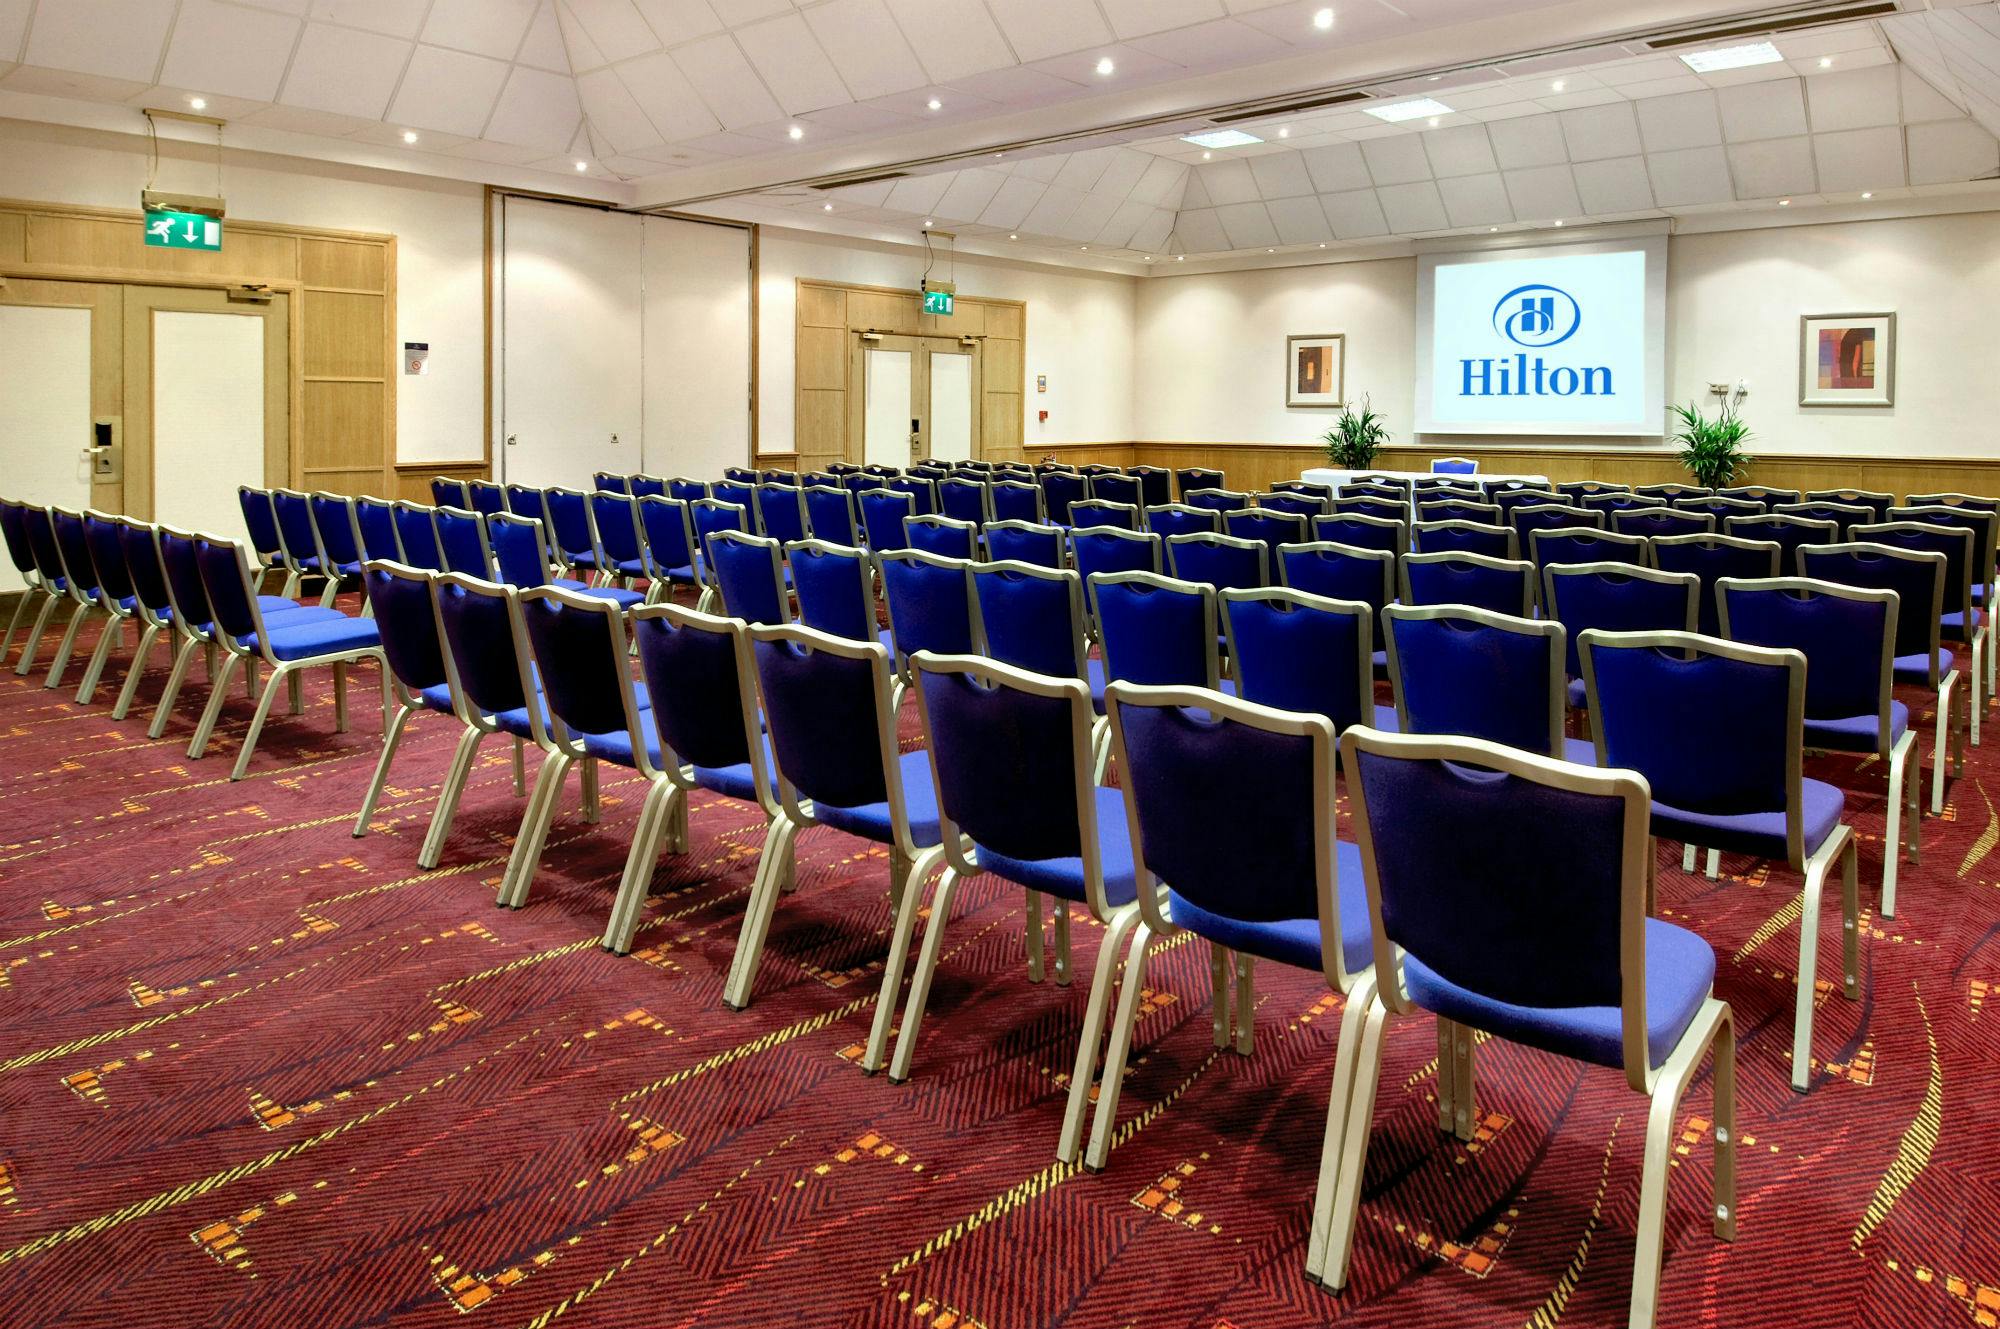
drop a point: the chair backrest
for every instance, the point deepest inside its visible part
(1876, 502)
(1453, 466)
(1100, 512)
(1335, 571)
(826, 705)
(581, 655)
(1843, 515)
(1220, 500)
(1716, 727)
(922, 491)
(1370, 505)
(461, 542)
(1465, 537)
(528, 501)
(1455, 509)
(831, 515)
(225, 577)
(571, 534)
(142, 560)
(1983, 523)
(1957, 544)
(1187, 479)
(963, 498)
(520, 550)
(644, 485)
(781, 512)
(1189, 761)
(1268, 526)
(486, 650)
(1301, 502)
(1789, 533)
(1156, 630)
(882, 515)
(1445, 823)
(741, 474)
(1654, 522)
(1576, 545)
(1763, 495)
(1501, 585)
(260, 519)
(73, 547)
(1847, 635)
(296, 532)
(1575, 490)
(668, 531)
(686, 490)
(1170, 519)
(1095, 549)
(1477, 674)
(1673, 491)
(1363, 530)
(1156, 485)
(1720, 506)
(610, 483)
(929, 601)
(14, 527)
(1712, 557)
(944, 536)
(107, 556)
(836, 589)
(1016, 500)
(1029, 617)
(700, 675)
(709, 517)
(1552, 517)
(749, 574)
(741, 492)
(400, 595)
(1220, 560)
(1059, 490)
(446, 492)
(1300, 652)
(1917, 576)
(333, 524)
(181, 567)
(375, 529)
(487, 497)
(38, 524)
(1633, 502)
(1126, 490)
(1618, 597)
(1511, 501)
(416, 536)
(1024, 542)
(614, 516)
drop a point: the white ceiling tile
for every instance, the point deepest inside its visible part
(119, 39)
(1727, 78)
(1355, 214)
(866, 46)
(1162, 183)
(1011, 205)
(1762, 110)
(1123, 170)
(1337, 168)
(1038, 29)
(1647, 69)
(677, 21)
(505, 154)
(1689, 175)
(63, 83)
(1281, 175)
(1352, 23)
(871, 195)
(1663, 87)
(1853, 98)
(13, 27)
(1199, 231)
(579, 51)
(536, 110)
(614, 27)
(449, 91)
(1052, 210)
(1247, 225)
(1134, 67)
(1922, 102)
(1155, 232)
(1950, 150)
(1300, 221)
(1223, 42)
(1773, 167)
(1044, 169)
(1464, 150)
(293, 120)
(393, 18)
(345, 71)
(1530, 141)
(1859, 159)
(857, 119)
(1413, 207)
(1587, 97)
(1687, 120)
(483, 27)
(726, 82)
(1090, 217)
(1475, 200)
(1082, 170)
(1124, 223)
(223, 49)
(953, 38)
(919, 194)
(1396, 161)
(543, 48)
(1136, 18)
(1602, 131)
(1543, 193)
(1616, 184)
(1513, 111)
(667, 98)
(792, 64)
(1227, 181)
(614, 112)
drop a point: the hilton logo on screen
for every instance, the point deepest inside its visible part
(1536, 317)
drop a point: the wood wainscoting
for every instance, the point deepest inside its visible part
(413, 478)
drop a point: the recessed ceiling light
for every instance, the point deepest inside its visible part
(1180, 258)
(1731, 57)
(797, 132)
(1013, 237)
(998, 155)
(1558, 221)
(826, 207)
(583, 166)
(1557, 86)
(1149, 258)
(1322, 244)
(1284, 131)
(1323, 19)
(1784, 203)
(1492, 229)
(1084, 248)
(199, 103)
(935, 104)
(409, 136)
(1270, 251)
(1397, 112)
(1869, 194)
(1434, 122)
(1206, 156)
(1221, 138)
(1104, 65)
(1826, 62)
(927, 223)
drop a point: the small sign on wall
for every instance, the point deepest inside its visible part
(416, 357)
(168, 229)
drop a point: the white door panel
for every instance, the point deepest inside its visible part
(886, 440)
(44, 409)
(208, 417)
(951, 406)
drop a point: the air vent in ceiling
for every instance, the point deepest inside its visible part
(1766, 27)
(1290, 108)
(845, 181)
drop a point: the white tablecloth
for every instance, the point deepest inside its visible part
(1327, 475)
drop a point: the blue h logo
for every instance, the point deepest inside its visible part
(1537, 314)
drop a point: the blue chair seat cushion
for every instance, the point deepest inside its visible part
(1758, 833)
(622, 598)
(1581, 751)
(737, 781)
(1293, 941)
(1856, 733)
(1954, 625)
(871, 821)
(1916, 668)
(1579, 696)
(1387, 720)
(437, 698)
(277, 604)
(1063, 877)
(297, 637)
(1680, 970)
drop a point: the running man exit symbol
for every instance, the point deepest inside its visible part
(182, 230)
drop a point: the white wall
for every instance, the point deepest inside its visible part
(439, 245)
(697, 332)
(1081, 332)
(1211, 348)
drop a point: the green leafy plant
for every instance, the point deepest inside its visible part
(1712, 449)
(1356, 437)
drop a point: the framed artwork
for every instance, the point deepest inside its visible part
(1315, 369)
(1847, 360)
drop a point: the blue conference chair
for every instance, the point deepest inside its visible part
(1718, 730)
(1269, 527)
(1279, 887)
(607, 482)
(375, 530)
(1848, 637)
(490, 682)
(528, 501)
(964, 499)
(643, 486)
(1533, 518)
(1499, 585)
(921, 489)
(487, 497)
(1578, 967)
(116, 596)
(1984, 523)
(1301, 652)
(1299, 503)
(260, 521)
(1454, 466)
(1615, 597)
(781, 512)
(1045, 827)
(1361, 530)
(1720, 507)
(298, 537)
(1472, 673)
(1672, 491)
(1223, 561)
(288, 642)
(1059, 490)
(1452, 509)
(1844, 516)
(413, 655)
(929, 601)
(1709, 558)
(152, 603)
(1762, 495)
(1652, 523)
(750, 577)
(1167, 520)
(1217, 500)
(521, 558)
(1156, 484)
(946, 537)
(339, 540)
(1789, 533)
(1876, 502)
(1553, 548)
(21, 553)
(836, 590)
(1095, 549)
(1465, 537)
(669, 548)
(1120, 490)
(1575, 491)
(618, 544)
(685, 490)
(461, 541)
(832, 728)
(79, 584)
(39, 534)
(1024, 542)
(1187, 479)
(1964, 618)
(1511, 501)
(449, 493)
(1157, 631)
(740, 491)
(709, 518)
(416, 535)
(883, 512)
(572, 537)
(1016, 500)
(1096, 512)
(831, 515)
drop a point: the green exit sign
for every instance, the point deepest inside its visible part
(166, 229)
(938, 302)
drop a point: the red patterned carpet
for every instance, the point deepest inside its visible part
(254, 1072)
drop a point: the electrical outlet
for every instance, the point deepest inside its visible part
(1742, 387)
(1719, 389)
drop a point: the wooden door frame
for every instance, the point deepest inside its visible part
(920, 346)
(106, 303)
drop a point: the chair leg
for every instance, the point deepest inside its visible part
(534, 832)
(1687, 858)
(905, 927)
(165, 705)
(1354, 1145)
(1893, 839)
(654, 815)
(1102, 983)
(114, 632)
(920, 982)
(339, 696)
(256, 728)
(1661, 1131)
(593, 808)
(757, 915)
(292, 583)
(134, 671)
(1838, 849)
(520, 768)
(218, 693)
(1714, 864)
(1063, 967)
(1942, 746)
(1339, 1108)
(1100, 746)
(326, 595)
(1036, 943)
(454, 788)
(58, 665)
(295, 690)
(390, 740)
(1246, 1003)
(34, 638)
(1218, 981)
(1119, 1048)
(14, 623)
(1447, 1076)
(1978, 672)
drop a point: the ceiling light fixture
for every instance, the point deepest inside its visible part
(1869, 194)
(1013, 237)
(1434, 122)
(1084, 248)
(796, 132)
(826, 207)
(1731, 57)
(1180, 258)
(583, 166)
(199, 103)
(1270, 251)
(409, 136)
(1492, 230)
(1322, 244)
(1323, 20)
(1207, 156)
(1784, 203)
(1558, 221)
(1284, 131)
(927, 223)
(1826, 62)
(1222, 138)
(1397, 112)
(1104, 66)
(935, 104)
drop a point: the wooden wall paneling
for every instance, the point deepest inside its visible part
(343, 425)
(343, 265)
(343, 336)
(880, 311)
(412, 480)
(13, 237)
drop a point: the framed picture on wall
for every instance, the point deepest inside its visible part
(1315, 369)
(1847, 360)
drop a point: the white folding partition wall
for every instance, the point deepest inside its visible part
(618, 326)
(208, 416)
(44, 409)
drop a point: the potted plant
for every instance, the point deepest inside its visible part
(1355, 438)
(1712, 449)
